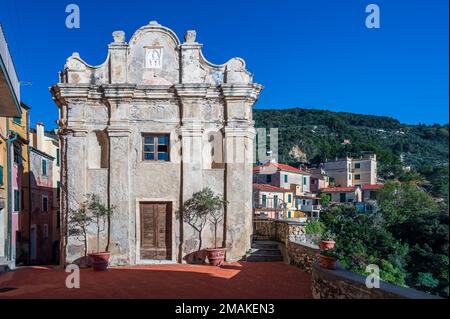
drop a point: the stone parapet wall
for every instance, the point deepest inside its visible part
(302, 255)
(326, 284)
(278, 230)
(343, 284)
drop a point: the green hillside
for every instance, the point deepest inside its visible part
(319, 135)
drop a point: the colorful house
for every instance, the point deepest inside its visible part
(14, 166)
(9, 107)
(46, 144)
(348, 194)
(273, 202)
(283, 176)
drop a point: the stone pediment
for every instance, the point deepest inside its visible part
(154, 56)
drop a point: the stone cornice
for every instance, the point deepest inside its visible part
(241, 91)
(118, 131)
(192, 90)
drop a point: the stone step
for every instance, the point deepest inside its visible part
(266, 252)
(253, 258)
(265, 245)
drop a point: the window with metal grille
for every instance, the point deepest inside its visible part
(156, 147)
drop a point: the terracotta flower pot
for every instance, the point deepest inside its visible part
(326, 244)
(216, 256)
(327, 262)
(100, 260)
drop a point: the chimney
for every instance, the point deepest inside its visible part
(40, 129)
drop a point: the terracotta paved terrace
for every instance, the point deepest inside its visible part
(241, 280)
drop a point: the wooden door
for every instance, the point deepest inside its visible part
(156, 231)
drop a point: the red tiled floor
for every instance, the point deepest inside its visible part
(234, 280)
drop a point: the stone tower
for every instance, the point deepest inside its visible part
(155, 123)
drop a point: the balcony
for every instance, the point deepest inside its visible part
(9, 83)
(311, 208)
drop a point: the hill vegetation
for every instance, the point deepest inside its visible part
(319, 135)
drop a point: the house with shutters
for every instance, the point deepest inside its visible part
(273, 202)
(147, 129)
(305, 203)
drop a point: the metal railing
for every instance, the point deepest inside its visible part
(9, 65)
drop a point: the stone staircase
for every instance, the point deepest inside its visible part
(264, 251)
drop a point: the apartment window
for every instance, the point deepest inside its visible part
(304, 202)
(269, 178)
(57, 157)
(45, 231)
(343, 197)
(305, 180)
(349, 177)
(16, 200)
(275, 201)
(357, 176)
(357, 165)
(289, 198)
(44, 167)
(156, 147)
(1, 175)
(264, 200)
(44, 204)
(17, 154)
(286, 179)
(373, 195)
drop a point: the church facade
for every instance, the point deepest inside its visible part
(152, 125)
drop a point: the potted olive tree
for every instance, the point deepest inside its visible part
(79, 221)
(100, 214)
(206, 206)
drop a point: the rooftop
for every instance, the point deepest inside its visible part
(274, 166)
(269, 188)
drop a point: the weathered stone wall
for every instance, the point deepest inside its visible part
(343, 284)
(302, 255)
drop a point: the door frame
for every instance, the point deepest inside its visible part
(171, 209)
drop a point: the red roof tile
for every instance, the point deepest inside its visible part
(338, 189)
(372, 187)
(269, 188)
(277, 166)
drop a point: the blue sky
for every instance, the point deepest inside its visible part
(311, 54)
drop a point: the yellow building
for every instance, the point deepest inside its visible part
(13, 146)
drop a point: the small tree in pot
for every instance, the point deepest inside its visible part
(79, 222)
(204, 206)
(100, 214)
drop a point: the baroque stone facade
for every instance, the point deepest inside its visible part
(155, 123)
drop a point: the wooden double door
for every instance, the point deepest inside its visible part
(156, 231)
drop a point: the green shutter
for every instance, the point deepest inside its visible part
(285, 178)
(264, 200)
(1, 175)
(17, 120)
(16, 200)
(57, 156)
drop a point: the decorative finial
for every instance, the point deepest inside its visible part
(119, 36)
(153, 22)
(190, 36)
(75, 54)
